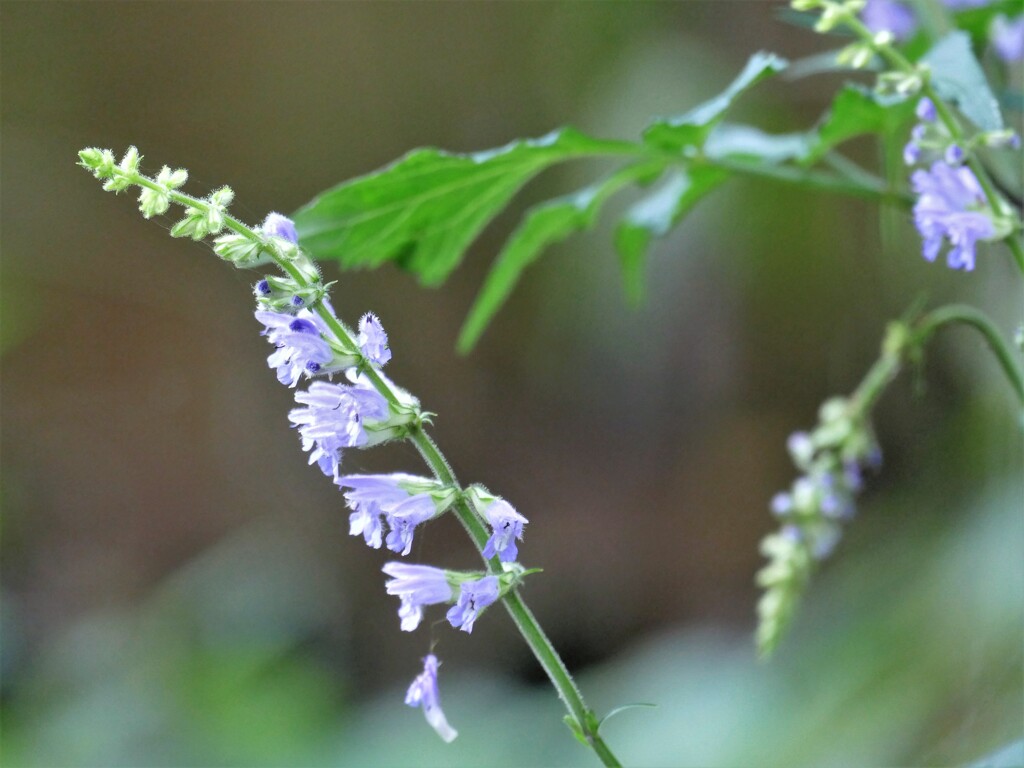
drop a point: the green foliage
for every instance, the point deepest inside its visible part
(692, 128)
(544, 225)
(656, 214)
(857, 111)
(425, 210)
(957, 76)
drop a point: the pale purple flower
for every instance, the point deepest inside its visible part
(1007, 37)
(925, 110)
(823, 541)
(950, 207)
(801, 447)
(373, 341)
(423, 693)
(403, 519)
(334, 418)
(781, 504)
(301, 349)
(852, 476)
(879, 15)
(474, 596)
(508, 526)
(416, 586)
(277, 225)
(366, 520)
(404, 500)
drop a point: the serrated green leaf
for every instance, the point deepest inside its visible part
(425, 209)
(745, 141)
(856, 111)
(957, 76)
(692, 128)
(655, 215)
(543, 225)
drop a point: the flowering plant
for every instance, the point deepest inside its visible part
(426, 209)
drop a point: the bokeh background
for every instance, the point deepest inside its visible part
(178, 588)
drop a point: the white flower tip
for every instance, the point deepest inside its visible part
(437, 721)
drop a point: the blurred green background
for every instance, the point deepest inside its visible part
(178, 588)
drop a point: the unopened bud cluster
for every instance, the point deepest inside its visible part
(811, 513)
(365, 409)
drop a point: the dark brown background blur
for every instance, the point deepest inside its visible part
(144, 438)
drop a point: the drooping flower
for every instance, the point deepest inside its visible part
(366, 520)
(951, 206)
(404, 500)
(373, 341)
(423, 693)
(1007, 37)
(336, 416)
(300, 347)
(403, 519)
(416, 586)
(277, 225)
(507, 525)
(891, 16)
(474, 596)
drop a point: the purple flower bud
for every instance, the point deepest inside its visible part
(926, 110)
(879, 15)
(911, 153)
(954, 154)
(277, 225)
(781, 504)
(298, 301)
(824, 541)
(792, 533)
(801, 447)
(423, 693)
(262, 288)
(474, 596)
(1008, 38)
(853, 477)
(919, 132)
(373, 341)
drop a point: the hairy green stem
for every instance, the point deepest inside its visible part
(521, 615)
